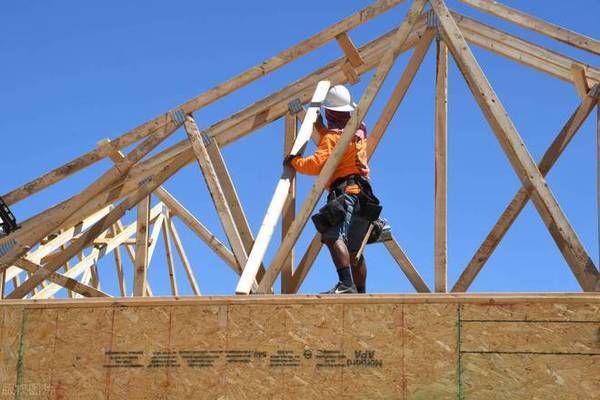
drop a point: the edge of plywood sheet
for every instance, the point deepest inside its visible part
(481, 298)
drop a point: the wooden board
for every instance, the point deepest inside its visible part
(373, 346)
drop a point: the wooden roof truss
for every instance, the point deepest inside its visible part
(59, 248)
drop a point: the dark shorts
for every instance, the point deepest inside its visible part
(352, 229)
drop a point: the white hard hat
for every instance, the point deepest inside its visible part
(339, 99)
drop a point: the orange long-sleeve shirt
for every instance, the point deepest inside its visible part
(354, 160)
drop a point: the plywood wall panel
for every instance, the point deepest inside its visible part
(39, 340)
(9, 349)
(533, 311)
(83, 337)
(141, 336)
(254, 331)
(387, 347)
(431, 352)
(530, 377)
(531, 337)
(198, 335)
(373, 342)
(316, 334)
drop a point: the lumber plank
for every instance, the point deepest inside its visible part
(103, 224)
(441, 165)
(190, 220)
(232, 198)
(35, 229)
(274, 106)
(580, 79)
(537, 25)
(375, 136)
(520, 50)
(383, 68)
(169, 255)
(177, 209)
(119, 269)
(352, 54)
(267, 228)
(591, 300)
(183, 257)
(370, 50)
(406, 265)
(141, 247)
(399, 92)
(350, 72)
(62, 280)
(216, 191)
(289, 207)
(165, 122)
(59, 241)
(579, 261)
(85, 262)
(520, 199)
(153, 238)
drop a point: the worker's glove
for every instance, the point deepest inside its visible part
(287, 161)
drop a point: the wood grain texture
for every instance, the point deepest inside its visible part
(537, 25)
(297, 347)
(441, 166)
(164, 122)
(367, 98)
(520, 199)
(555, 220)
(280, 195)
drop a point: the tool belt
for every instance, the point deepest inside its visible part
(333, 213)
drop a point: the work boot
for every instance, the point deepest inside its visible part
(341, 288)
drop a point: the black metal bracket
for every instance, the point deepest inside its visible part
(178, 117)
(295, 106)
(8, 222)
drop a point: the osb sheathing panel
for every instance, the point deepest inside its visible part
(314, 348)
(9, 348)
(530, 377)
(430, 342)
(531, 337)
(39, 340)
(558, 311)
(83, 337)
(142, 334)
(200, 334)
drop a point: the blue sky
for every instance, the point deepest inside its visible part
(76, 72)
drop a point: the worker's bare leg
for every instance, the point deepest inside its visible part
(341, 259)
(359, 273)
(339, 253)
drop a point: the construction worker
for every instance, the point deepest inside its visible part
(351, 205)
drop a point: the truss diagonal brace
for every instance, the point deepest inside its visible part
(62, 280)
(216, 192)
(561, 230)
(520, 199)
(105, 223)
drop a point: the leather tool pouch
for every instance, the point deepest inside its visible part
(370, 207)
(332, 214)
(371, 210)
